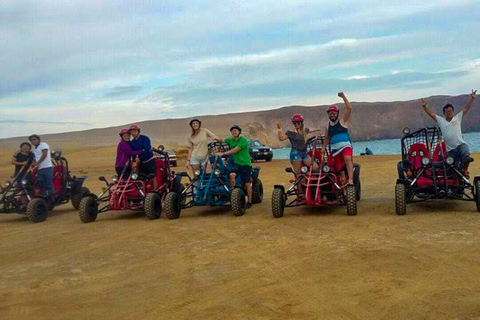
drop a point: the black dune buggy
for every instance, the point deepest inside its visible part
(427, 172)
(22, 195)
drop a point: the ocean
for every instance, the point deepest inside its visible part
(387, 146)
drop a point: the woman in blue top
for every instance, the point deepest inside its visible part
(298, 139)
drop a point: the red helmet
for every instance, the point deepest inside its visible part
(123, 131)
(297, 118)
(134, 127)
(333, 108)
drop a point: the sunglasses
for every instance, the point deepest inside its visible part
(297, 122)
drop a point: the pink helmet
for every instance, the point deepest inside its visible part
(297, 118)
(123, 131)
(134, 127)
(333, 108)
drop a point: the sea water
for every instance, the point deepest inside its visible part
(387, 146)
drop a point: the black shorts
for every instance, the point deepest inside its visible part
(147, 167)
(245, 173)
(127, 172)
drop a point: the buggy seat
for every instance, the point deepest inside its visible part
(59, 176)
(416, 153)
(440, 152)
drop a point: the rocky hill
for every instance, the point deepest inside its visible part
(378, 120)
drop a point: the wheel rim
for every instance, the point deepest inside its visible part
(40, 210)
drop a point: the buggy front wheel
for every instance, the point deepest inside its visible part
(37, 210)
(400, 199)
(88, 209)
(238, 202)
(153, 206)
(351, 200)
(172, 205)
(77, 197)
(278, 202)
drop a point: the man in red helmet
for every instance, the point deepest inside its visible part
(336, 133)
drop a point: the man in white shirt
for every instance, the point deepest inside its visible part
(451, 127)
(43, 162)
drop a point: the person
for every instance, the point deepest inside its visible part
(339, 138)
(43, 162)
(368, 152)
(22, 160)
(298, 138)
(241, 157)
(142, 142)
(124, 154)
(198, 145)
(451, 127)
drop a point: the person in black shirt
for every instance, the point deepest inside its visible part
(22, 160)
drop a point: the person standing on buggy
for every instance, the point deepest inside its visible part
(339, 138)
(22, 160)
(241, 157)
(125, 154)
(451, 127)
(198, 145)
(298, 137)
(147, 160)
(43, 161)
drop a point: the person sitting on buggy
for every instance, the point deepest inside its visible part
(198, 145)
(338, 137)
(241, 157)
(147, 160)
(451, 127)
(298, 139)
(125, 154)
(23, 160)
(43, 161)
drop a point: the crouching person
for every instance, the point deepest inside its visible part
(241, 157)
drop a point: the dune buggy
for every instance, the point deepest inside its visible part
(318, 185)
(134, 191)
(427, 172)
(211, 187)
(23, 195)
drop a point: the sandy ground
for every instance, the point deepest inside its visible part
(311, 264)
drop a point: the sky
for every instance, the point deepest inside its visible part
(75, 65)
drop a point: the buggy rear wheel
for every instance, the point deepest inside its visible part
(237, 202)
(77, 197)
(172, 205)
(477, 194)
(37, 210)
(278, 202)
(153, 205)
(257, 191)
(88, 209)
(400, 199)
(351, 200)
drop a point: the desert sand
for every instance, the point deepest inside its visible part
(312, 264)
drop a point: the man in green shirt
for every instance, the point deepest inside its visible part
(241, 157)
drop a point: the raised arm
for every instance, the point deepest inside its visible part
(347, 113)
(281, 136)
(473, 96)
(311, 130)
(428, 110)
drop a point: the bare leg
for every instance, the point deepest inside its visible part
(232, 179)
(349, 162)
(297, 165)
(248, 186)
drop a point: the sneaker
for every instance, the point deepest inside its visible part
(249, 205)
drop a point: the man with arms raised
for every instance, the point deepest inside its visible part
(336, 133)
(451, 127)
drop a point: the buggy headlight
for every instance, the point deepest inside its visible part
(24, 182)
(425, 161)
(304, 169)
(134, 176)
(326, 168)
(450, 160)
(270, 149)
(197, 173)
(217, 172)
(255, 150)
(8, 184)
(114, 178)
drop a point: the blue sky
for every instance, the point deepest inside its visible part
(75, 65)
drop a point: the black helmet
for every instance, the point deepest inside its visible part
(236, 127)
(34, 136)
(193, 120)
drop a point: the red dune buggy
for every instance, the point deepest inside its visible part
(427, 172)
(23, 195)
(318, 185)
(134, 191)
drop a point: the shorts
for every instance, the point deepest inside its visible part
(460, 154)
(245, 173)
(194, 161)
(338, 160)
(298, 155)
(147, 167)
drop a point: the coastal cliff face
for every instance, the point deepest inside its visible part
(377, 120)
